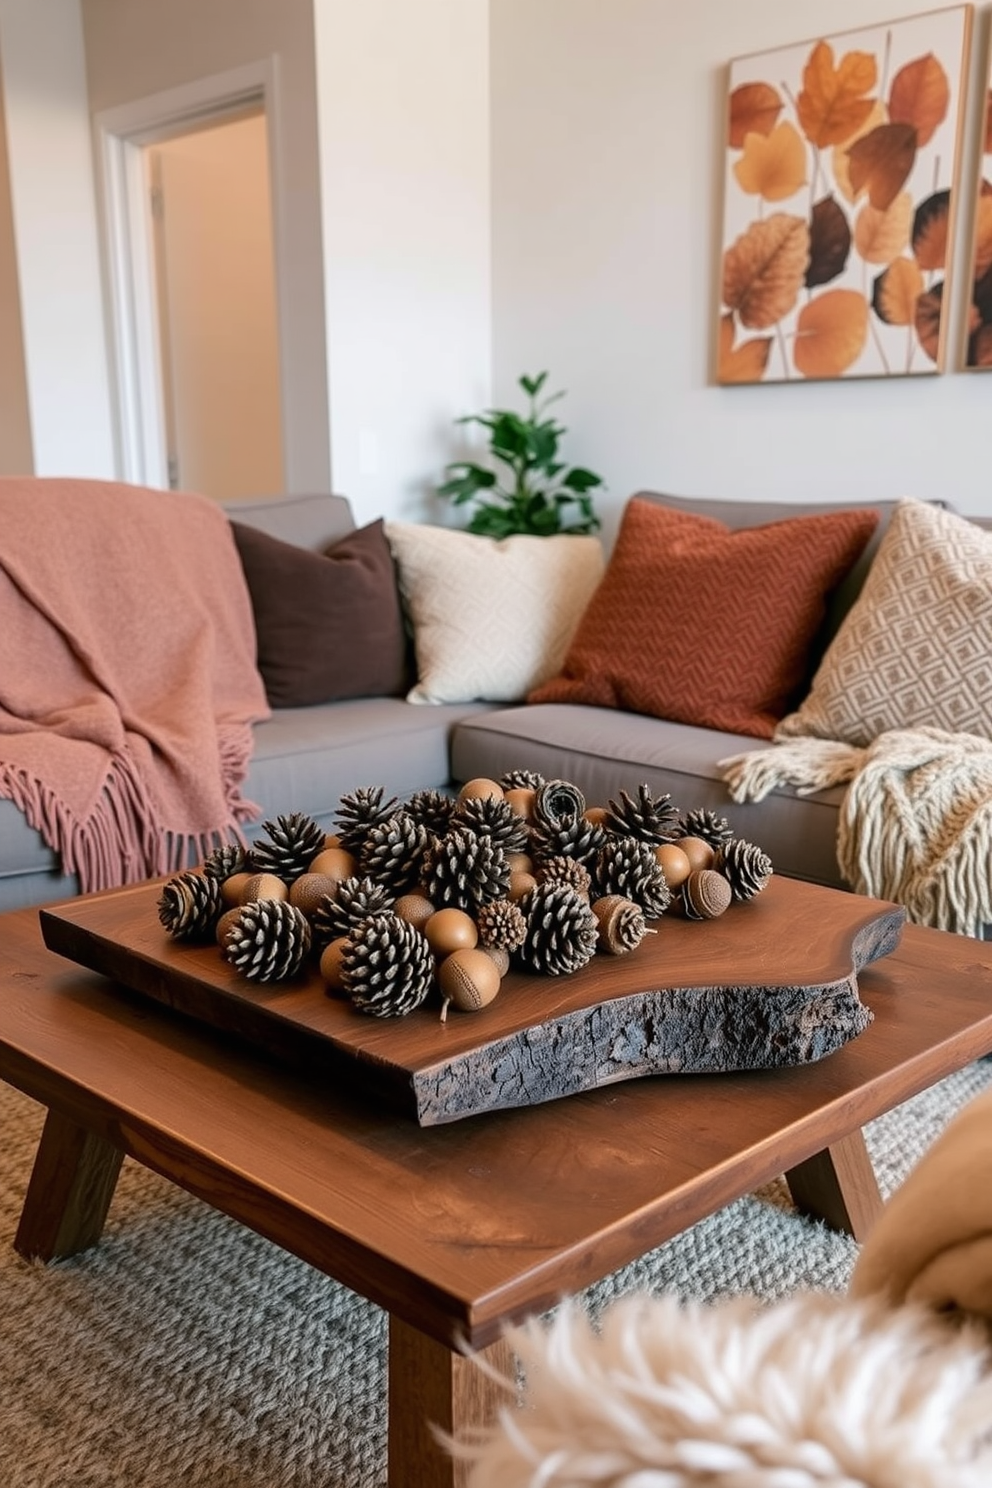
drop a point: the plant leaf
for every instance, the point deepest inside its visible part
(928, 313)
(896, 292)
(772, 167)
(763, 270)
(983, 231)
(533, 385)
(881, 161)
(920, 96)
(882, 236)
(744, 363)
(580, 479)
(754, 109)
(831, 332)
(831, 106)
(840, 158)
(829, 242)
(930, 230)
(980, 348)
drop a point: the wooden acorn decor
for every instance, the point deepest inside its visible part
(433, 899)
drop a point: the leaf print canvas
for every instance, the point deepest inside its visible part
(978, 343)
(842, 159)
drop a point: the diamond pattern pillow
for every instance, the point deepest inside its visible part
(491, 618)
(706, 625)
(915, 651)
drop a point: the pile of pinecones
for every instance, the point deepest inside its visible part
(444, 893)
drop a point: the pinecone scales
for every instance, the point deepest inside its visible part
(190, 904)
(387, 967)
(288, 847)
(268, 941)
(745, 867)
(562, 930)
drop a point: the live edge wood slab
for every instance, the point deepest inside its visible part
(771, 983)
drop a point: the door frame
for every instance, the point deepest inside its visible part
(121, 134)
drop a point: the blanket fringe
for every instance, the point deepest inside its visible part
(808, 765)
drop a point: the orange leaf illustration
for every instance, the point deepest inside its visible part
(763, 270)
(882, 236)
(881, 161)
(830, 333)
(897, 291)
(772, 166)
(840, 156)
(744, 363)
(920, 95)
(754, 109)
(928, 311)
(983, 234)
(831, 106)
(930, 229)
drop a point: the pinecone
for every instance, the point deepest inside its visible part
(621, 923)
(501, 924)
(572, 838)
(433, 808)
(629, 867)
(189, 905)
(463, 871)
(566, 870)
(561, 930)
(558, 801)
(293, 843)
(226, 860)
(716, 830)
(269, 940)
(650, 818)
(393, 852)
(387, 966)
(521, 780)
(745, 867)
(352, 901)
(357, 812)
(487, 816)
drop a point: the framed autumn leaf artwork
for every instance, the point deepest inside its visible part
(842, 161)
(978, 340)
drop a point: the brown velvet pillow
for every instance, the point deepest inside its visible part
(329, 624)
(706, 625)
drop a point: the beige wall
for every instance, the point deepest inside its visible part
(15, 427)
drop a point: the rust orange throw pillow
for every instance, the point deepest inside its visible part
(704, 624)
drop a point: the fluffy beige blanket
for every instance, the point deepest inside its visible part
(915, 825)
(128, 683)
(933, 1240)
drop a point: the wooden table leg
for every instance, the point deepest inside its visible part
(839, 1185)
(428, 1384)
(72, 1184)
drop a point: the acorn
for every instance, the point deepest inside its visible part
(621, 924)
(481, 786)
(469, 979)
(416, 909)
(264, 886)
(335, 862)
(699, 852)
(675, 864)
(705, 894)
(450, 930)
(331, 959)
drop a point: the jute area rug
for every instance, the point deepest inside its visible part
(184, 1352)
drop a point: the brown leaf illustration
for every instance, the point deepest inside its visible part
(981, 294)
(772, 166)
(830, 333)
(763, 270)
(930, 227)
(831, 106)
(840, 155)
(896, 292)
(988, 123)
(980, 348)
(744, 363)
(983, 232)
(881, 161)
(920, 95)
(830, 242)
(754, 109)
(928, 311)
(880, 237)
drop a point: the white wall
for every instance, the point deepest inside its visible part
(16, 454)
(608, 128)
(404, 149)
(54, 229)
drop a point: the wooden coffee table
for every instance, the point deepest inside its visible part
(458, 1229)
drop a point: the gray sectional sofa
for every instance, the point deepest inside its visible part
(306, 758)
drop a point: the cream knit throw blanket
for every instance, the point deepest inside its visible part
(916, 821)
(128, 683)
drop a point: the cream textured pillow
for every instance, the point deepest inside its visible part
(491, 618)
(915, 651)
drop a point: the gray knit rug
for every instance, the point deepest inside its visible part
(184, 1352)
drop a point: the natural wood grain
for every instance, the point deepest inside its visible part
(72, 1183)
(771, 982)
(839, 1185)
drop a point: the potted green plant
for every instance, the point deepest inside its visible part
(537, 494)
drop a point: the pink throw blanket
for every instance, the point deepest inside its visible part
(128, 683)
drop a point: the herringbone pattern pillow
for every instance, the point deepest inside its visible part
(915, 651)
(706, 625)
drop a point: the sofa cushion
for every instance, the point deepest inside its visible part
(328, 625)
(700, 624)
(491, 618)
(916, 649)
